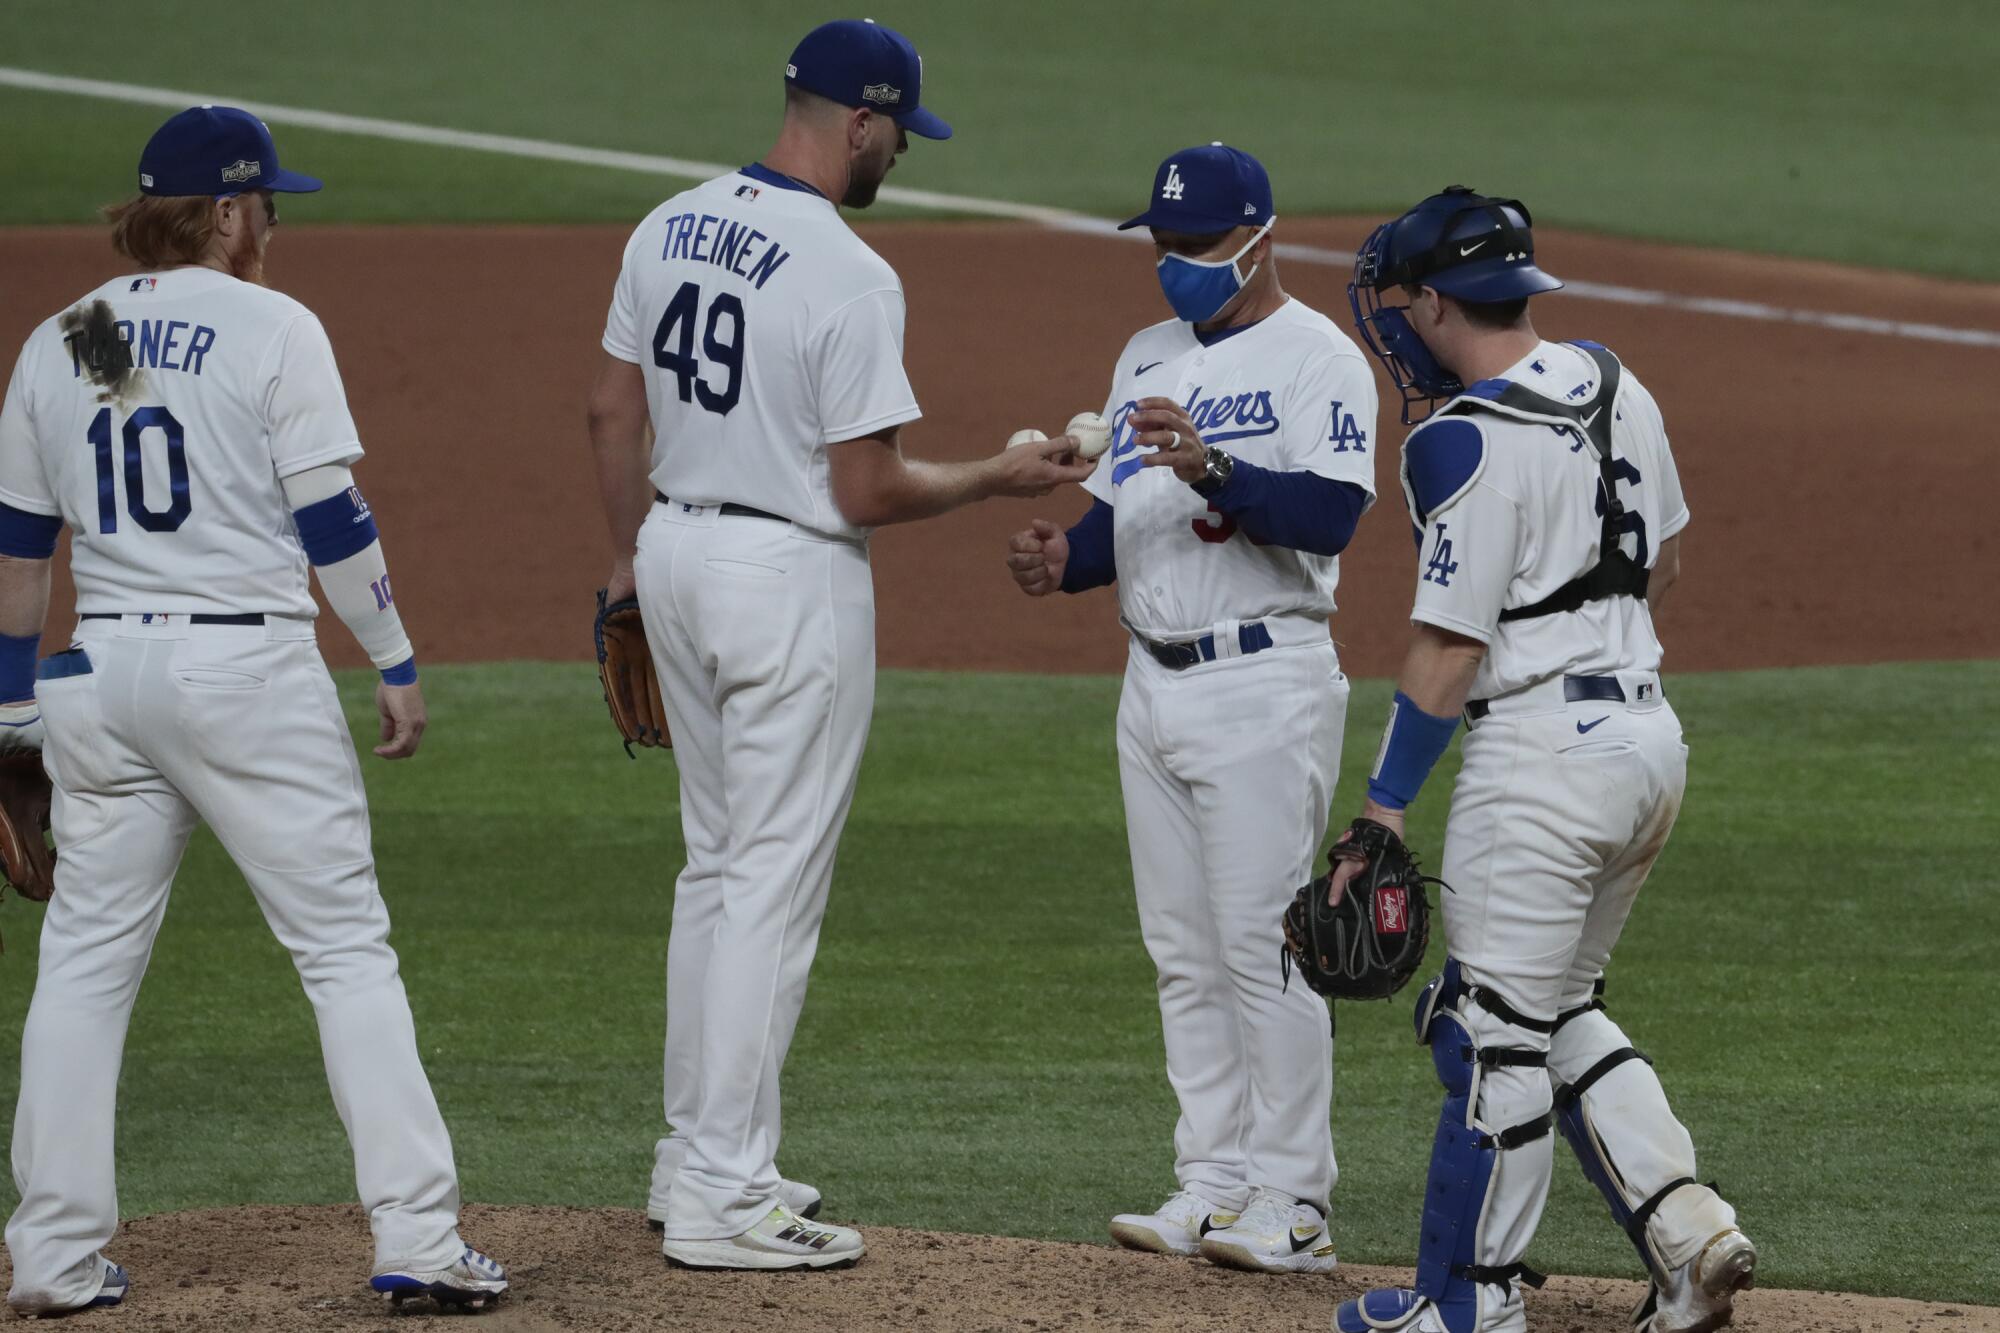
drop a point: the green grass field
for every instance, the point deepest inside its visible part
(1838, 129)
(981, 1051)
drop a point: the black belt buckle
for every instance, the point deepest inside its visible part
(1174, 656)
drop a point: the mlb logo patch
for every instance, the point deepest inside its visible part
(1392, 910)
(1645, 692)
(143, 284)
(749, 192)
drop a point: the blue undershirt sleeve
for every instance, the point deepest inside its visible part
(1093, 560)
(1302, 510)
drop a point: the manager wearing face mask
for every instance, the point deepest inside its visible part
(1242, 455)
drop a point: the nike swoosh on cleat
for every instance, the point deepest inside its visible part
(1150, 365)
(1298, 1244)
(1209, 1223)
(1582, 727)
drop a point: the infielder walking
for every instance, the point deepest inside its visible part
(1240, 463)
(763, 342)
(189, 427)
(1549, 515)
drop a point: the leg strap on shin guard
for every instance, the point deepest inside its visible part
(1636, 1226)
(1567, 1093)
(1504, 1273)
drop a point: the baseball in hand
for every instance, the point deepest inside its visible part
(1091, 432)
(1028, 436)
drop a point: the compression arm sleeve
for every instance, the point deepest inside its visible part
(1302, 510)
(1092, 557)
(339, 537)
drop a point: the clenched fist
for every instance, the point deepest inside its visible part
(1038, 557)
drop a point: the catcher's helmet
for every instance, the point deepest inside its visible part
(1470, 246)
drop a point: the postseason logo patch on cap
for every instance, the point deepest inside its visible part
(239, 171)
(882, 93)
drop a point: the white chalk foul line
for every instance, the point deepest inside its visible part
(1056, 218)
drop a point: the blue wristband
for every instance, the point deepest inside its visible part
(1411, 746)
(17, 666)
(403, 673)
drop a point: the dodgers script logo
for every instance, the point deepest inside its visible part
(1220, 419)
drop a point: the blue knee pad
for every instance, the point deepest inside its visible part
(1462, 1158)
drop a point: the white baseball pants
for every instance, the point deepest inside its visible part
(238, 726)
(764, 639)
(1560, 811)
(1228, 769)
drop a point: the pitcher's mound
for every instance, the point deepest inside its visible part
(580, 1268)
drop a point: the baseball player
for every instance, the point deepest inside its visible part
(188, 426)
(762, 341)
(1240, 462)
(1548, 512)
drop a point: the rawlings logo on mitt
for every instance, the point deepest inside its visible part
(625, 665)
(1370, 943)
(25, 855)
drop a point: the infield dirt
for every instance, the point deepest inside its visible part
(1842, 483)
(235, 1270)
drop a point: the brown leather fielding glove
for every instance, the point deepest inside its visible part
(25, 855)
(1368, 945)
(625, 664)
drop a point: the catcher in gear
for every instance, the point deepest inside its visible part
(625, 665)
(1371, 941)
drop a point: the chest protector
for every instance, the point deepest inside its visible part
(1615, 574)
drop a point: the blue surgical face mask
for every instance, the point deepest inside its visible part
(1197, 289)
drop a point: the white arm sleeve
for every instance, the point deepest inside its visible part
(357, 588)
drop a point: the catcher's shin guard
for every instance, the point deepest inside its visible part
(1489, 1171)
(1614, 1114)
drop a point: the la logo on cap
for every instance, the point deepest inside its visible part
(1174, 188)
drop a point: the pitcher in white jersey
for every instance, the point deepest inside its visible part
(189, 427)
(1548, 514)
(1241, 460)
(762, 341)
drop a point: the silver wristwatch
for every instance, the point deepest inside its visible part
(1220, 465)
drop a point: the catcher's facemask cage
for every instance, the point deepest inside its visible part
(1474, 247)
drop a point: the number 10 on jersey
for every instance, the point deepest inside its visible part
(134, 434)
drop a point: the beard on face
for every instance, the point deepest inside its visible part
(865, 178)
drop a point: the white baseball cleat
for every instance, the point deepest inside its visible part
(1700, 1296)
(1276, 1234)
(471, 1282)
(1175, 1227)
(796, 1195)
(782, 1240)
(111, 1289)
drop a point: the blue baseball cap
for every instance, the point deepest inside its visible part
(858, 62)
(215, 150)
(1207, 190)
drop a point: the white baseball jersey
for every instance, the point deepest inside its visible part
(170, 481)
(768, 331)
(1510, 510)
(1291, 393)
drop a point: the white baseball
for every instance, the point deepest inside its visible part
(1091, 432)
(1028, 436)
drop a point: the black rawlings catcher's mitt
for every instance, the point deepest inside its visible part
(1371, 943)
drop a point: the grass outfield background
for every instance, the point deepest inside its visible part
(1839, 129)
(1810, 968)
